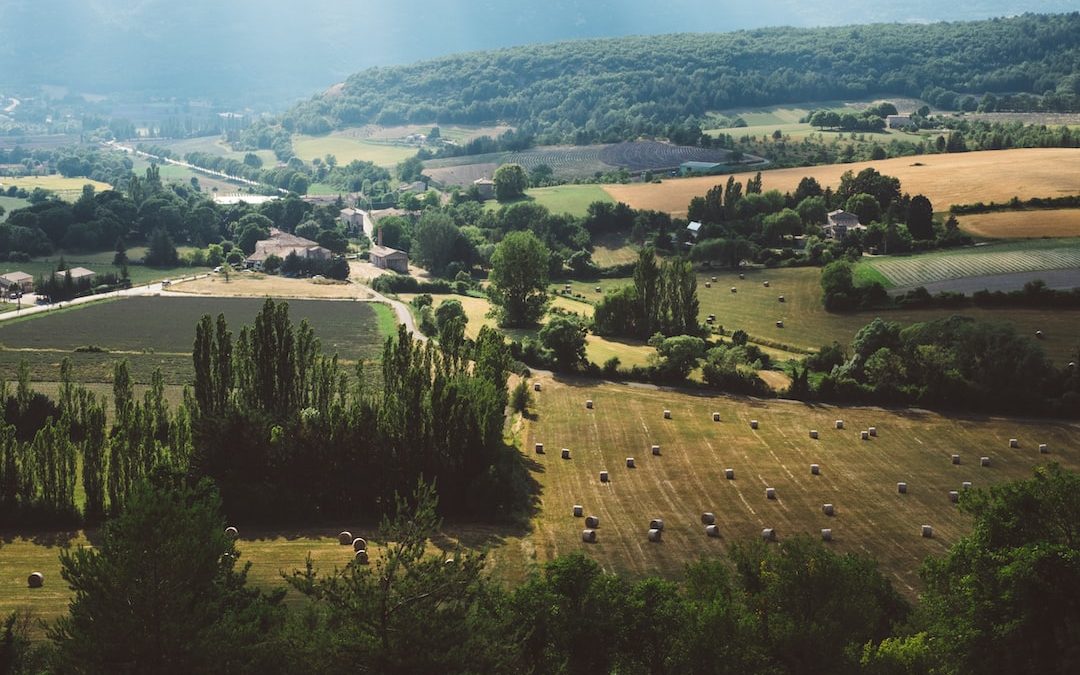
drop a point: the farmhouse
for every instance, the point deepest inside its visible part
(77, 274)
(17, 281)
(388, 258)
(354, 220)
(693, 229)
(282, 244)
(840, 222)
(485, 187)
(898, 121)
(699, 167)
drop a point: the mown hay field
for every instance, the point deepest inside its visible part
(858, 477)
(1027, 256)
(572, 199)
(1023, 224)
(945, 179)
(346, 148)
(66, 188)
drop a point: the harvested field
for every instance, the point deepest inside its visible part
(945, 179)
(462, 174)
(1033, 256)
(346, 148)
(68, 189)
(1023, 224)
(259, 286)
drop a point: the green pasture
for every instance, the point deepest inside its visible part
(347, 148)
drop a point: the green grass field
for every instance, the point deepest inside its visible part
(65, 188)
(347, 148)
(215, 146)
(572, 199)
(1018, 256)
(10, 204)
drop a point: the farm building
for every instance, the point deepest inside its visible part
(77, 274)
(282, 244)
(693, 228)
(699, 167)
(388, 258)
(898, 121)
(353, 220)
(486, 187)
(17, 281)
(840, 222)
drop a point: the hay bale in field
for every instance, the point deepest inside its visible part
(770, 493)
(345, 538)
(826, 534)
(954, 496)
(361, 557)
(741, 275)
(35, 580)
(813, 434)
(714, 278)
(779, 324)
(872, 431)
(539, 448)
(1014, 443)
(1043, 449)
(716, 417)
(579, 510)
(780, 298)
(753, 424)
(712, 530)
(667, 414)
(734, 290)
(589, 404)
(966, 485)
(592, 522)
(1038, 334)
(656, 524)
(536, 386)
(729, 474)
(630, 463)
(231, 532)
(901, 488)
(839, 424)
(828, 509)
(865, 435)
(656, 450)
(815, 470)
(599, 290)
(708, 284)
(768, 534)
(654, 535)
(956, 459)
(927, 531)
(710, 318)
(708, 518)
(604, 477)
(359, 544)
(588, 536)
(984, 461)
(566, 453)
(765, 283)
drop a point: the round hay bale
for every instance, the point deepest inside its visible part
(588, 536)
(536, 386)
(712, 317)
(956, 459)
(770, 493)
(828, 509)
(450, 561)
(872, 431)
(539, 448)
(729, 474)
(667, 414)
(1038, 334)
(779, 324)
(361, 557)
(813, 434)
(716, 417)
(766, 284)
(1043, 449)
(714, 278)
(741, 275)
(954, 496)
(656, 524)
(708, 518)
(734, 290)
(768, 534)
(1072, 364)
(780, 298)
(654, 535)
(566, 453)
(656, 450)
(35, 580)
(359, 544)
(984, 461)
(865, 435)
(1014, 443)
(927, 531)
(345, 537)
(592, 522)
(708, 284)
(839, 424)
(753, 424)
(589, 404)
(231, 532)
(966, 485)
(826, 534)
(599, 290)
(630, 463)
(712, 530)
(815, 470)
(901, 488)
(604, 478)
(579, 510)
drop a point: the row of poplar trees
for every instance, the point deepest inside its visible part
(662, 300)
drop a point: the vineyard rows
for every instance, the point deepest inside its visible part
(921, 270)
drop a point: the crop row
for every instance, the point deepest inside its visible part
(922, 270)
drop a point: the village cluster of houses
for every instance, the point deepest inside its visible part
(837, 226)
(15, 284)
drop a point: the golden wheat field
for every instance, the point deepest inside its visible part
(961, 178)
(1022, 224)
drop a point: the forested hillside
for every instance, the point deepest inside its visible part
(613, 89)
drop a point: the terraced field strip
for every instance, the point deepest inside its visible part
(918, 270)
(687, 478)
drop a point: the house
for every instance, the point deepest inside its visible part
(387, 258)
(898, 121)
(700, 167)
(281, 244)
(694, 228)
(17, 281)
(78, 274)
(485, 187)
(416, 187)
(354, 220)
(840, 223)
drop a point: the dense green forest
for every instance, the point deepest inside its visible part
(614, 89)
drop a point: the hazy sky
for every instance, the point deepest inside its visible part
(294, 48)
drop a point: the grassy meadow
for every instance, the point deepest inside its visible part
(10, 204)
(346, 147)
(572, 199)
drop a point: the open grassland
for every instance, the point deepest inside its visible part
(10, 204)
(213, 145)
(945, 179)
(346, 148)
(66, 188)
(1023, 224)
(858, 477)
(572, 199)
(174, 173)
(1022, 256)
